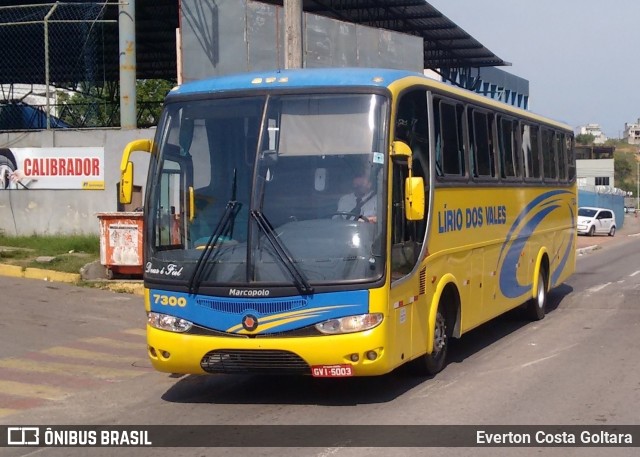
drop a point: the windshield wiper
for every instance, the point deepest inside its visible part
(224, 227)
(287, 261)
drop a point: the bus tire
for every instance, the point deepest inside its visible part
(7, 166)
(434, 363)
(536, 306)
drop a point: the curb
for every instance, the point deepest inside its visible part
(135, 288)
(15, 271)
(12, 271)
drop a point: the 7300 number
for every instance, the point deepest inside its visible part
(169, 300)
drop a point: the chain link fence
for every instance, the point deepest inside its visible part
(59, 65)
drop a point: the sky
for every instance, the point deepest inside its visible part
(581, 57)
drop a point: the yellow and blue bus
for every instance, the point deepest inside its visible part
(343, 222)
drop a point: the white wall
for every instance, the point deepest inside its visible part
(587, 170)
(31, 211)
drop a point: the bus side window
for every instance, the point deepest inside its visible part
(406, 236)
(507, 148)
(481, 144)
(549, 155)
(411, 127)
(449, 138)
(561, 148)
(531, 151)
(571, 158)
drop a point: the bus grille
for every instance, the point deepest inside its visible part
(253, 361)
(261, 306)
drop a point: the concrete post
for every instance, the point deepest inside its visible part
(293, 33)
(127, 44)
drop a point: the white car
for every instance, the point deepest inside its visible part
(593, 221)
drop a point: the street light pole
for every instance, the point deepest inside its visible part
(637, 186)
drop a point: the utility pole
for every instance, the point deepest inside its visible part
(293, 33)
(127, 44)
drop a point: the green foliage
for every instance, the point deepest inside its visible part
(585, 139)
(153, 90)
(617, 142)
(625, 171)
(90, 106)
(7, 255)
(99, 106)
(70, 252)
(54, 245)
(69, 263)
(150, 95)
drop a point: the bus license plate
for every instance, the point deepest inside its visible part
(331, 371)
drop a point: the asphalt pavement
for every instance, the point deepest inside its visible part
(630, 228)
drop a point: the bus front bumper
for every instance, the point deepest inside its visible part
(354, 354)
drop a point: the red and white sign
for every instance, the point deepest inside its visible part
(58, 168)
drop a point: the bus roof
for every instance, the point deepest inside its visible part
(308, 78)
(296, 79)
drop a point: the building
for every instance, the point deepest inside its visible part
(632, 133)
(592, 129)
(595, 172)
(491, 82)
(594, 165)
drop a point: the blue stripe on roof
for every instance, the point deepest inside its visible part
(301, 78)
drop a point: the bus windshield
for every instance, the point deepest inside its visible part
(268, 190)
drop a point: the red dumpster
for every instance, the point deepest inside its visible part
(121, 242)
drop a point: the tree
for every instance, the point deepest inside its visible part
(585, 138)
(99, 106)
(150, 95)
(624, 170)
(90, 105)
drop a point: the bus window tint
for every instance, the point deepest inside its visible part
(449, 138)
(507, 148)
(480, 144)
(412, 127)
(549, 155)
(562, 156)
(407, 236)
(571, 159)
(531, 151)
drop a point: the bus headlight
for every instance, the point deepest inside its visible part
(350, 324)
(169, 323)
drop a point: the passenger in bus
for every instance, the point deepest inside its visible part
(361, 202)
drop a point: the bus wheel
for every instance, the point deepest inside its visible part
(536, 306)
(6, 168)
(431, 364)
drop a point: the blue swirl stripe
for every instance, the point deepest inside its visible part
(518, 236)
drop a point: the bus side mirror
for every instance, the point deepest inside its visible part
(413, 185)
(126, 168)
(400, 149)
(414, 198)
(126, 184)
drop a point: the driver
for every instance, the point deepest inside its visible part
(361, 201)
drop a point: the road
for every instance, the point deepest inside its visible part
(72, 355)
